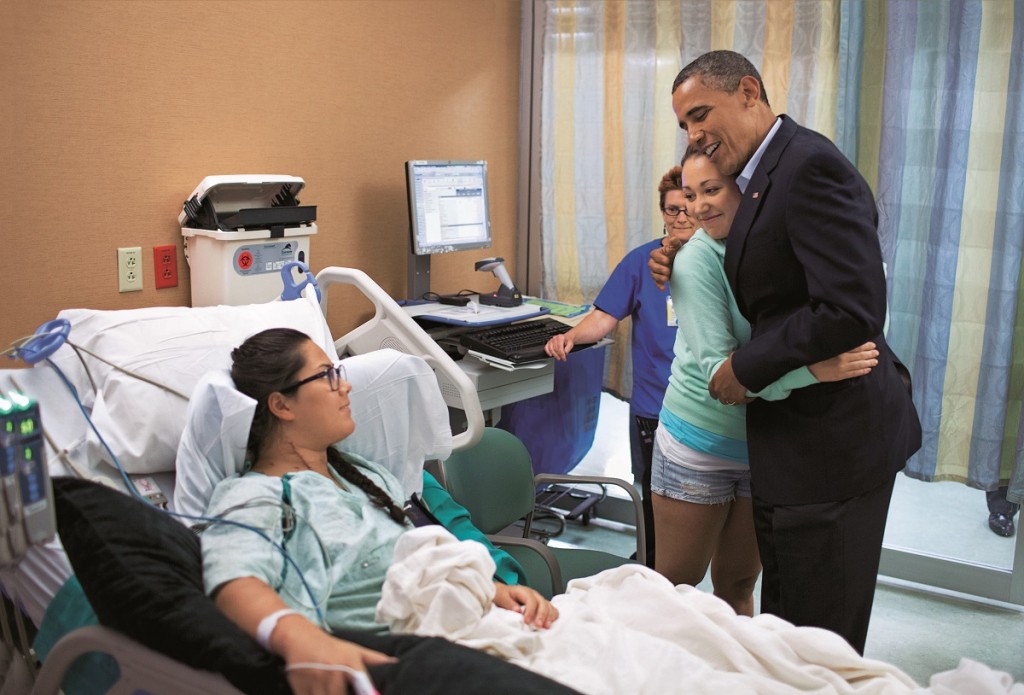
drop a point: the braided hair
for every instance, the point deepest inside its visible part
(350, 472)
(269, 361)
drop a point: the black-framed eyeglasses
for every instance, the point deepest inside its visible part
(334, 375)
(672, 211)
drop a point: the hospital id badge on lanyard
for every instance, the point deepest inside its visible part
(670, 312)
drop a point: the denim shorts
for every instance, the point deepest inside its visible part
(700, 487)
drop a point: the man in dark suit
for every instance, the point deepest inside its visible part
(804, 262)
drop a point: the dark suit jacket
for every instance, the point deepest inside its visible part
(804, 262)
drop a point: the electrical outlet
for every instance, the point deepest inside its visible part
(129, 269)
(165, 266)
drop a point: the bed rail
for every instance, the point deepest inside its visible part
(141, 668)
(392, 327)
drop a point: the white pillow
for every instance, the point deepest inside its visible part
(401, 417)
(173, 346)
(401, 421)
(213, 444)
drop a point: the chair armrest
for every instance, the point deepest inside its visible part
(638, 507)
(557, 586)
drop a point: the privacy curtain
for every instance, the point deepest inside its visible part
(925, 97)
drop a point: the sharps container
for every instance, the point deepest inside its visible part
(239, 231)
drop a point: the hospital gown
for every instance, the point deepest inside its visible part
(342, 542)
(361, 537)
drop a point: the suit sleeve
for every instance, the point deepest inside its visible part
(831, 226)
(703, 302)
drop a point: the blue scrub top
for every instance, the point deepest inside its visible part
(630, 291)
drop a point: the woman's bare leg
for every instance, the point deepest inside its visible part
(688, 535)
(736, 562)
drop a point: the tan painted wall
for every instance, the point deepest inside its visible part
(112, 111)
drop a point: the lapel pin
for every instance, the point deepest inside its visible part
(756, 194)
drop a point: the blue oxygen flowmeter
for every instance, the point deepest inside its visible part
(26, 498)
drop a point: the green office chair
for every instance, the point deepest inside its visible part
(494, 481)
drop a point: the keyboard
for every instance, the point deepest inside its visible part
(515, 342)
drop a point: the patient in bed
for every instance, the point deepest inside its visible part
(336, 516)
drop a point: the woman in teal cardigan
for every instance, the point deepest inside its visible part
(700, 476)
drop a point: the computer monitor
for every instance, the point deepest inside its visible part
(448, 211)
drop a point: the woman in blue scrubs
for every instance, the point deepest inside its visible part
(631, 292)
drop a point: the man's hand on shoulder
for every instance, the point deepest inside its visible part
(660, 262)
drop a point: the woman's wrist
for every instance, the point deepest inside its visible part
(265, 630)
(298, 641)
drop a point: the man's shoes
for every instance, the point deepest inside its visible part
(1001, 524)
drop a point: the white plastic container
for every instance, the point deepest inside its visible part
(239, 231)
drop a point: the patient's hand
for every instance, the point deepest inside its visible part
(295, 639)
(536, 609)
(317, 647)
(857, 362)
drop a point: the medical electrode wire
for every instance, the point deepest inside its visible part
(210, 520)
(14, 347)
(17, 345)
(310, 666)
(360, 682)
(293, 517)
(140, 377)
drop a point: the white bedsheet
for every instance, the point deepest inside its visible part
(628, 630)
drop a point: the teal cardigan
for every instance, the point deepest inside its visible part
(454, 517)
(710, 327)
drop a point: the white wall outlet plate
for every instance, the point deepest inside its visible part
(129, 269)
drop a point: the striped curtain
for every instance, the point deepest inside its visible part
(608, 133)
(924, 97)
(949, 153)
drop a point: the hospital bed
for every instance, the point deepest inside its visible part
(402, 382)
(683, 632)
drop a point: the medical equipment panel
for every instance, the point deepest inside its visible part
(26, 503)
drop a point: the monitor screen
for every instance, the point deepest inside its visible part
(448, 208)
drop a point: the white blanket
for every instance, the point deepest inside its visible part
(628, 630)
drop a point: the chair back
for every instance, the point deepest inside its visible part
(493, 480)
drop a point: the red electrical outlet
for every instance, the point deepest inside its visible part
(165, 263)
